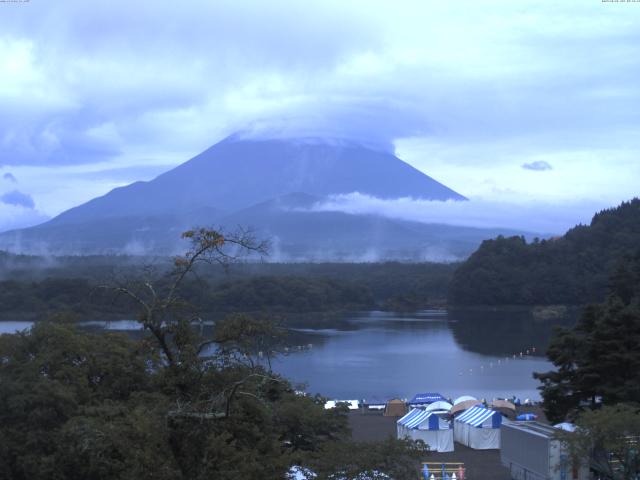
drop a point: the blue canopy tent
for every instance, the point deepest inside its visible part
(429, 427)
(423, 399)
(527, 416)
(478, 428)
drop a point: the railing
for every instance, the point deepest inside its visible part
(443, 471)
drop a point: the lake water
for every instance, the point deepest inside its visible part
(379, 355)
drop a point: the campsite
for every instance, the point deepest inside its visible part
(478, 452)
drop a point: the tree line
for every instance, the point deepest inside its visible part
(573, 269)
(274, 288)
(596, 380)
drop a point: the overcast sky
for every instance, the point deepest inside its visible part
(526, 107)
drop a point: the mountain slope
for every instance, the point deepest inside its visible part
(269, 185)
(295, 230)
(236, 174)
(298, 232)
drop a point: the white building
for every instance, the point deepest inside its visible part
(532, 451)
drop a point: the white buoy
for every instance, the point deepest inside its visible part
(432, 477)
(453, 476)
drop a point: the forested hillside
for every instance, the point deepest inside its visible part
(598, 359)
(572, 269)
(34, 288)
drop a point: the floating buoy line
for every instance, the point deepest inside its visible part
(524, 353)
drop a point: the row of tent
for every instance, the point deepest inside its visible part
(477, 428)
(436, 403)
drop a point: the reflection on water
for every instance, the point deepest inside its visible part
(98, 325)
(379, 355)
(504, 331)
(114, 325)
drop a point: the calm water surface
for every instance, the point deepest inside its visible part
(379, 355)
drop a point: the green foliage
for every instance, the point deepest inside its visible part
(51, 377)
(598, 359)
(609, 437)
(399, 459)
(276, 288)
(572, 269)
(243, 339)
(288, 294)
(76, 405)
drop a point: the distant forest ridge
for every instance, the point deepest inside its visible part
(573, 269)
(34, 288)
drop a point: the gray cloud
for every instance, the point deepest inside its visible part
(10, 177)
(134, 80)
(130, 76)
(17, 198)
(538, 165)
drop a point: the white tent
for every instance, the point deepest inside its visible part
(440, 406)
(429, 427)
(297, 472)
(351, 404)
(463, 398)
(566, 426)
(478, 428)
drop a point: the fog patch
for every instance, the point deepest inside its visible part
(540, 217)
(16, 216)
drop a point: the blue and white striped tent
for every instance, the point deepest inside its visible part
(429, 427)
(478, 428)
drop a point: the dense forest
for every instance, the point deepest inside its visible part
(597, 361)
(573, 269)
(35, 288)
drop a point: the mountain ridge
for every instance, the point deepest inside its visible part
(235, 174)
(269, 185)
